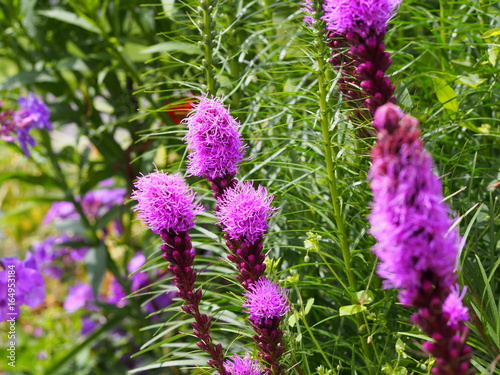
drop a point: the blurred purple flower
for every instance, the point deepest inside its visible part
(165, 202)
(237, 365)
(29, 283)
(36, 111)
(359, 16)
(308, 10)
(16, 125)
(409, 219)
(266, 300)
(60, 210)
(5, 309)
(97, 202)
(79, 296)
(244, 212)
(88, 324)
(216, 146)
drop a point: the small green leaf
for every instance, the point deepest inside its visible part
(351, 309)
(190, 49)
(26, 79)
(95, 260)
(365, 297)
(311, 243)
(445, 94)
(292, 320)
(309, 305)
(492, 32)
(472, 80)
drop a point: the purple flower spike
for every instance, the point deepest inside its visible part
(417, 248)
(236, 365)
(359, 16)
(213, 137)
(267, 303)
(165, 202)
(244, 212)
(307, 8)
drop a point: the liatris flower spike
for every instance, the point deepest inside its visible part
(244, 213)
(267, 303)
(166, 205)
(359, 26)
(216, 146)
(417, 248)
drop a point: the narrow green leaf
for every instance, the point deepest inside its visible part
(445, 94)
(71, 18)
(492, 32)
(190, 49)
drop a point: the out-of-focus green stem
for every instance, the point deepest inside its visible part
(207, 43)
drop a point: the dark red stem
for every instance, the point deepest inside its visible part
(179, 251)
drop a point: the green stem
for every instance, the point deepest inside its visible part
(207, 7)
(332, 180)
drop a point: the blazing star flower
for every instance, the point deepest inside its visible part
(165, 202)
(244, 211)
(236, 365)
(409, 219)
(360, 16)
(213, 137)
(266, 300)
(308, 10)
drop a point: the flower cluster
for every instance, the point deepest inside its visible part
(216, 146)
(417, 248)
(15, 125)
(267, 303)
(21, 283)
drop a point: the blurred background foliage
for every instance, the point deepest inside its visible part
(117, 77)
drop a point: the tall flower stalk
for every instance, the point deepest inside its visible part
(166, 205)
(356, 31)
(267, 303)
(416, 243)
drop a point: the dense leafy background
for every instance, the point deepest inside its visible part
(113, 72)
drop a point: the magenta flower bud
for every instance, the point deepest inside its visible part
(165, 203)
(216, 146)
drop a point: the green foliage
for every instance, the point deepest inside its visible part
(117, 69)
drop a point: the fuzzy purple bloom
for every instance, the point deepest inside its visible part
(244, 212)
(266, 300)
(409, 219)
(359, 16)
(237, 365)
(213, 137)
(165, 202)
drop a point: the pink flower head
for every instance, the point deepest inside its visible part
(236, 365)
(343, 16)
(244, 211)
(266, 300)
(213, 137)
(454, 307)
(165, 202)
